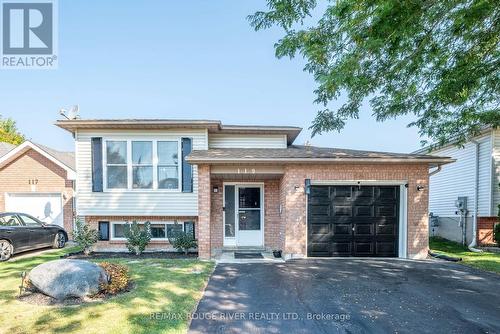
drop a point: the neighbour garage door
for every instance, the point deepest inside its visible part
(353, 221)
(46, 207)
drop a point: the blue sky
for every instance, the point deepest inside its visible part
(177, 59)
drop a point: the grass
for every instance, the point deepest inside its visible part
(161, 285)
(485, 260)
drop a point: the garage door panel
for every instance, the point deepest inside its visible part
(363, 221)
(46, 207)
(386, 229)
(319, 210)
(364, 230)
(363, 211)
(386, 248)
(341, 248)
(341, 230)
(342, 210)
(363, 248)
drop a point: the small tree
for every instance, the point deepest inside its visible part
(85, 236)
(183, 241)
(137, 238)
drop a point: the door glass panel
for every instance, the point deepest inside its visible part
(229, 211)
(249, 198)
(249, 220)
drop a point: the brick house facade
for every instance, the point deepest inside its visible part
(33, 171)
(250, 187)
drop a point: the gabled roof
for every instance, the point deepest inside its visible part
(65, 160)
(303, 154)
(212, 126)
(5, 148)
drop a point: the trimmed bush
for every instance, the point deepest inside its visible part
(137, 238)
(496, 234)
(85, 236)
(118, 278)
(183, 242)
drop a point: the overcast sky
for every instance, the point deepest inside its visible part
(182, 59)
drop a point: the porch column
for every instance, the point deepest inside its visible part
(204, 239)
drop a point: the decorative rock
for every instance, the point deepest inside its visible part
(65, 278)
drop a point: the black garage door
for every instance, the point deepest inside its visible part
(353, 221)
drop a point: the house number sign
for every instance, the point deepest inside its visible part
(33, 182)
(246, 170)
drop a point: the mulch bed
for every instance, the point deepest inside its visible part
(126, 255)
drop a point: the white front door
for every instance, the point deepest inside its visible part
(243, 215)
(44, 206)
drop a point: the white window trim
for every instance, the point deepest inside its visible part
(129, 165)
(113, 223)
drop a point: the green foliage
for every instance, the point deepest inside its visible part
(183, 241)
(496, 233)
(85, 236)
(119, 278)
(137, 237)
(9, 132)
(436, 60)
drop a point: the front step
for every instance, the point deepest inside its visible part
(244, 249)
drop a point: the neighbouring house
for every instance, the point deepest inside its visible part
(39, 181)
(246, 187)
(475, 176)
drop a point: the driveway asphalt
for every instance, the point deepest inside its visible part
(349, 296)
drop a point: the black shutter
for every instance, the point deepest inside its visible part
(187, 169)
(189, 228)
(104, 231)
(96, 149)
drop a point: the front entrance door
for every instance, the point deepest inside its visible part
(243, 215)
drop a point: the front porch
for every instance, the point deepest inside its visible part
(244, 213)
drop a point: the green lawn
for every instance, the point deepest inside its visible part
(486, 261)
(161, 285)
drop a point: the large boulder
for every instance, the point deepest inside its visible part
(61, 279)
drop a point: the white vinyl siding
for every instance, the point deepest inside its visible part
(136, 202)
(246, 141)
(496, 172)
(458, 179)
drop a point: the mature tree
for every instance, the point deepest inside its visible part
(436, 59)
(9, 132)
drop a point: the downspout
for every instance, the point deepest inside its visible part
(473, 243)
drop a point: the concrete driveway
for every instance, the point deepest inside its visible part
(353, 296)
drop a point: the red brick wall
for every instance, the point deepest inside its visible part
(272, 221)
(93, 221)
(204, 205)
(295, 199)
(485, 230)
(51, 178)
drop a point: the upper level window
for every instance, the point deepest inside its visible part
(142, 164)
(116, 163)
(168, 165)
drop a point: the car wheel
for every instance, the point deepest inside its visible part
(6, 250)
(59, 240)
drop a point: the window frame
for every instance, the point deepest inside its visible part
(105, 162)
(113, 223)
(143, 164)
(130, 164)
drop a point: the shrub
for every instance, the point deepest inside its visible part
(183, 241)
(118, 277)
(137, 238)
(85, 236)
(496, 233)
